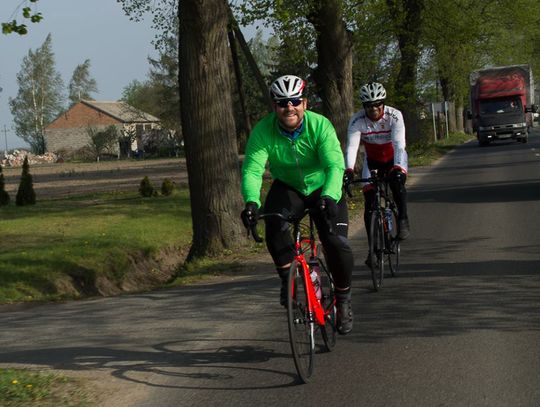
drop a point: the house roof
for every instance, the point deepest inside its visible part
(121, 111)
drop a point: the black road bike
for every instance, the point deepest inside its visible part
(384, 244)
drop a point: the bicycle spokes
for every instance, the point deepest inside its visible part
(301, 325)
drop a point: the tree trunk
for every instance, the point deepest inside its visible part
(452, 126)
(407, 20)
(208, 127)
(460, 123)
(239, 82)
(263, 86)
(447, 96)
(333, 75)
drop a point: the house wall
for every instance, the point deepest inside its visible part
(69, 130)
(69, 139)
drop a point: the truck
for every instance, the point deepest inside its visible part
(502, 103)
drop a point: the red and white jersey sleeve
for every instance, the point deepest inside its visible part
(383, 140)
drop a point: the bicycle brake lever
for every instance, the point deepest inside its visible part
(254, 234)
(348, 190)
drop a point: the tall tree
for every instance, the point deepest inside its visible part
(207, 117)
(208, 125)
(163, 77)
(406, 17)
(40, 98)
(334, 69)
(299, 25)
(81, 84)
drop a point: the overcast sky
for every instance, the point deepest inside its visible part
(81, 29)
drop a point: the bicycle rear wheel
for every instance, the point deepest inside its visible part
(329, 330)
(301, 325)
(393, 246)
(376, 249)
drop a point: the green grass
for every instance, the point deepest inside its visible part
(88, 235)
(426, 153)
(27, 388)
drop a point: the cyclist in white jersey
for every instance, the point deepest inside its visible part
(381, 131)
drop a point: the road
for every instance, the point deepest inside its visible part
(460, 326)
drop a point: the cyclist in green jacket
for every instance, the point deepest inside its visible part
(306, 163)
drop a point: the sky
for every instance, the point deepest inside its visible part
(98, 30)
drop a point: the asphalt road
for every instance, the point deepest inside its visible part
(460, 326)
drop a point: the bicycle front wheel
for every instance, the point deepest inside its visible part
(376, 249)
(393, 247)
(301, 324)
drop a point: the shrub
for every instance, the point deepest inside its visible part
(25, 193)
(4, 196)
(146, 188)
(167, 187)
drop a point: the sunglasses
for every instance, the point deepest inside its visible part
(285, 102)
(373, 104)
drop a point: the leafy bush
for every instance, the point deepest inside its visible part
(167, 187)
(146, 188)
(25, 193)
(4, 196)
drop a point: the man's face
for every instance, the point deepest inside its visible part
(290, 112)
(374, 110)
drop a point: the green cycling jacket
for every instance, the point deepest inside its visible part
(311, 161)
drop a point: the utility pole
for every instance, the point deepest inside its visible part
(5, 137)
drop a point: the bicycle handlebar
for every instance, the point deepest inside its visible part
(253, 227)
(287, 218)
(374, 179)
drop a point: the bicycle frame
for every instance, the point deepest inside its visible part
(316, 311)
(307, 310)
(382, 244)
(382, 192)
(314, 305)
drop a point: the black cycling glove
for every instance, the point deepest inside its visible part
(348, 177)
(250, 214)
(328, 206)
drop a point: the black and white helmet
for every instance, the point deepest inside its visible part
(287, 87)
(372, 92)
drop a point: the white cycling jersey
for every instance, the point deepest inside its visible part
(383, 140)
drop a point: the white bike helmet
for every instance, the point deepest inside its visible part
(372, 92)
(287, 87)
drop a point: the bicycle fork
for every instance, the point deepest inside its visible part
(315, 312)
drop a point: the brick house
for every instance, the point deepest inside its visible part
(69, 131)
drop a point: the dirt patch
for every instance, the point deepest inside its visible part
(67, 179)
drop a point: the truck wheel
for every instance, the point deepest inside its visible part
(483, 143)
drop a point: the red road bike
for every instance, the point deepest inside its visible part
(311, 302)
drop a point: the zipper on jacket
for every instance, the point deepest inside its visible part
(295, 152)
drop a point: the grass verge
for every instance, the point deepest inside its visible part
(19, 387)
(87, 237)
(426, 153)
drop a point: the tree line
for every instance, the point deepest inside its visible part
(422, 50)
(41, 94)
